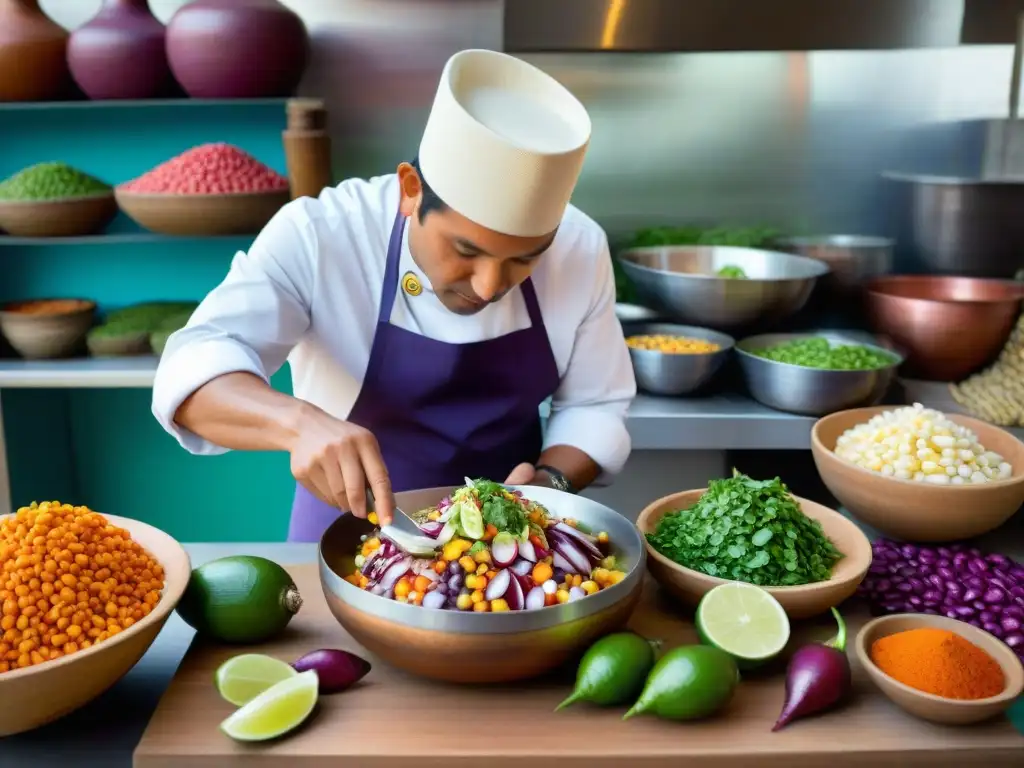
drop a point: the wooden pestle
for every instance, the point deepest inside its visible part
(307, 147)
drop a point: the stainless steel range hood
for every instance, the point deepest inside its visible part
(660, 26)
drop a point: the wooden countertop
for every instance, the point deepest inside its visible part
(393, 720)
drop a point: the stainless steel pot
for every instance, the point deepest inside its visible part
(957, 226)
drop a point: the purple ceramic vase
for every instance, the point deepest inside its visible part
(120, 53)
(237, 49)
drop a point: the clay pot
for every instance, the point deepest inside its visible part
(120, 54)
(33, 64)
(237, 49)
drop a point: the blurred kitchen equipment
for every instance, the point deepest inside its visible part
(307, 148)
(470, 647)
(812, 391)
(959, 225)
(852, 259)
(662, 373)
(634, 313)
(683, 281)
(948, 327)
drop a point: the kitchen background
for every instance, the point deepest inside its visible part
(795, 140)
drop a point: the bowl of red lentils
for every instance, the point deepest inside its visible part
(674, 360)
(209, 190)
(488, 610)
(82, 597)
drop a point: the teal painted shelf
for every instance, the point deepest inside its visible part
(116, 104)
(100, 445)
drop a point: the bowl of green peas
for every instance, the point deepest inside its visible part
(816, 373)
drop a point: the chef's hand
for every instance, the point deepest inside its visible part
(523, 474)
(337, 461)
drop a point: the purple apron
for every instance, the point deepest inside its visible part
(441, 411)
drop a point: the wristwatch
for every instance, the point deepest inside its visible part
(558, 481)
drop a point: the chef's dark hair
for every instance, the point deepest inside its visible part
(430, 201)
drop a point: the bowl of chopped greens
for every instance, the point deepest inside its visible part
(504, 583)
(815, 374)
(807, 556)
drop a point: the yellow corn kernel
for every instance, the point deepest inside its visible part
(601, 575)
(467, 563)
(481, 569)
(617, 576)
(433, 515)
(477, 596)
(373, 519)
(577, 580)
(609, 562)
(451, 551)
(464, 602)
(373, 543)
(482, 607)
(590, 587)
(498, 606)
(602, 537)
(483, 556)
(562, 596)
(465, 544)
(471, 582)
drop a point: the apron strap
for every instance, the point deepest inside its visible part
(532, 305)
(390, 287)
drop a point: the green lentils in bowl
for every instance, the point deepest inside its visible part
(46, 182)
(820, 353)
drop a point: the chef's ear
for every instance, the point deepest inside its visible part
(412, 189)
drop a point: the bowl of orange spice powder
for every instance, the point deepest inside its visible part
(82, 597)
(940, 669)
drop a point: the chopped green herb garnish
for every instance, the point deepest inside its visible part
(747, 530)
(502, 513)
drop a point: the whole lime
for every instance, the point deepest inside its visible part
(239, 599)
(613, 670)
(687, 683)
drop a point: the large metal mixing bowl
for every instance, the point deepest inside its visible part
(958, 226)
(948, 327)
(683, 282)
(812, 391)
(662, 373)
(852, 259)
(469, 647)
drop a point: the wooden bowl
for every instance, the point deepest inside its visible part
(937, 708)
(47, 328)
(914, 511)
(68, 217)
(43, 693)
(800, 602)
(202, 215)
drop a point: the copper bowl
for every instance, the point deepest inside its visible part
(948, 327)
(467, 647)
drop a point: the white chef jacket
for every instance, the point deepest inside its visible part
(308, 291)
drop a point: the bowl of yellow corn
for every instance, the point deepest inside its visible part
(675, 360)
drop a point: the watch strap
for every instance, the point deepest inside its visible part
(559, 481)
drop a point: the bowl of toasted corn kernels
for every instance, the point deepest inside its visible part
(82, 597)
(675, 360)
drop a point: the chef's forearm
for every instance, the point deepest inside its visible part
(578, 468)
(242, 412)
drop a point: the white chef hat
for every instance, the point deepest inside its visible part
(504, 143)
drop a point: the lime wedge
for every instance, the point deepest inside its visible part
(471, 521)
(242, 678)
(744, 621)
(276, 711)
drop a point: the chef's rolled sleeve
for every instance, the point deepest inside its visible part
(588, 411)
(249, 323)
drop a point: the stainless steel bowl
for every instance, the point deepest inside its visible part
(682, 282)
(852, 259)
(666, 374)
(481, 647)
(812, 391)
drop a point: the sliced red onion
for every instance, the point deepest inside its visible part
(499, 585)
(514, 594)
(370, 561)
(535, 599)
(432, 528)
(571, 553)
(522, 567)
(527, 551)
(383, 563)
(504, 550)
(563, 565)
(395, 572)
(584, 543)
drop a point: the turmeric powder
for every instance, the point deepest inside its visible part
(939, 662)
(68, 579)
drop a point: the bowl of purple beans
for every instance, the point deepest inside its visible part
(961, 582)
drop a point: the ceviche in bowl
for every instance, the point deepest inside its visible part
(487, 548)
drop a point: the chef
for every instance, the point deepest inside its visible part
(426, 314)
